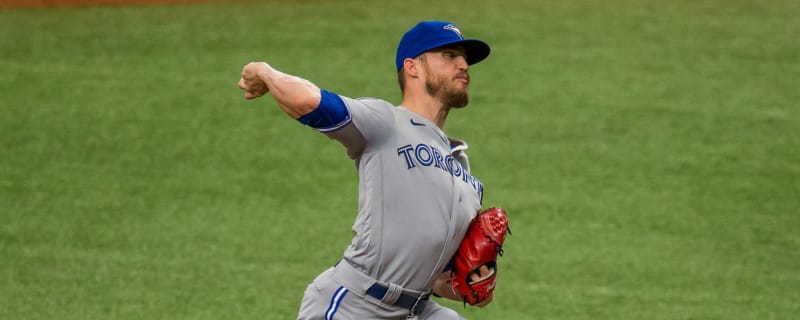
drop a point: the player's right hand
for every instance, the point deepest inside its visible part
(251, 83)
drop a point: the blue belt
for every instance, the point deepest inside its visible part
(345, 274)
(412, 303)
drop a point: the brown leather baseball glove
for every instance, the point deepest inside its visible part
(482, 243)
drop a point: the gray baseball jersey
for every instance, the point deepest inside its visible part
(416, 199)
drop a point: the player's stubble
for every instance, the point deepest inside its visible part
(437, 86)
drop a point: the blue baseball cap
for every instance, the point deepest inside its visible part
(428, 35)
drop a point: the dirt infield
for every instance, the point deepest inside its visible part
(10, 4)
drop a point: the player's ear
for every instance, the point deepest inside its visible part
(411, 67)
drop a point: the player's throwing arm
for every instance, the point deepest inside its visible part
(295, 96)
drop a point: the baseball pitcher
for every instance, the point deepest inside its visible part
(420, 230)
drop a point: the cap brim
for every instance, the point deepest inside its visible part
(476, 50)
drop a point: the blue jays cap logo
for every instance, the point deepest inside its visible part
(453, 28)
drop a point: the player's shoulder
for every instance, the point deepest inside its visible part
(370, 105)
(374, 102)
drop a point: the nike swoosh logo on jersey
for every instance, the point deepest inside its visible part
(416, 123)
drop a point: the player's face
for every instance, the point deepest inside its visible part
(446, 75)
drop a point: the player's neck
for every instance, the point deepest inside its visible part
(427, 107)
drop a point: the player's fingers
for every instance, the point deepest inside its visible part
(480, 273)
(483, 271)
(245, 68)
(475, 276)
(250, 71)
(252, 93)
(244, 72)
(241, 84)
(258, 86)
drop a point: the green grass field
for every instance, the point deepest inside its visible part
(648, 153)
